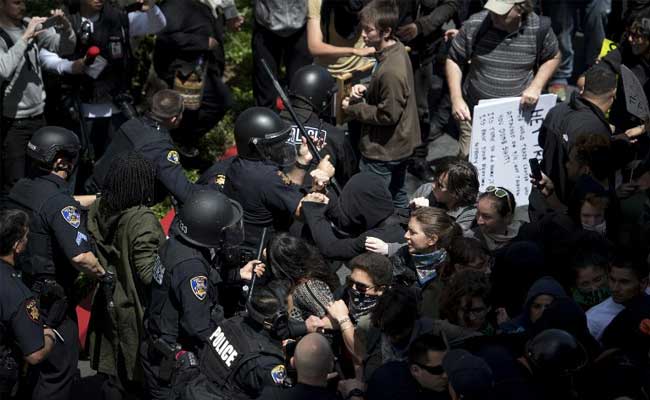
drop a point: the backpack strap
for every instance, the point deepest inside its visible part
(480, 32)
(544, 26)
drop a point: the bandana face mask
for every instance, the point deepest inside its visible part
(600, 228)
(361, 303)
(426, 265)
(590, 297)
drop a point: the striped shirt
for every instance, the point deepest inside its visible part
(503, 63)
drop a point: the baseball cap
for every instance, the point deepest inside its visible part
(501, 7)
(469, 376)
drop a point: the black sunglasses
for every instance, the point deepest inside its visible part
(360, 287)
(437, 370)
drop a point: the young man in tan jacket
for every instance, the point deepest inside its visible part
(386, 107)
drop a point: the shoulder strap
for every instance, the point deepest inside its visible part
(544, 26)
(480, 32)
(5, 36)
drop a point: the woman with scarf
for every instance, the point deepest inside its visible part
(589, 286)
(371, 275)
(496, 225)
(420, 262)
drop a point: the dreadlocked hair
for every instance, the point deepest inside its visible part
(130, 183)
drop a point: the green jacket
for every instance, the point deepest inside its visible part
(127, 244)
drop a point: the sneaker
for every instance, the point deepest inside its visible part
(558, 89)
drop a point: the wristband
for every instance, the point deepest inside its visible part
(301, 166)
(356, 392)
(344, 320)
(51, 336)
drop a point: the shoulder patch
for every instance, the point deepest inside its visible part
(173, 157)
(32, 310)
(71, 216)
(220, 180)
(158, 271)
(285, 178)
(81, 238)
(199, 285)
(279, 374)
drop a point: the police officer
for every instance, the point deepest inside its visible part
(183, 307)
(59, 246)
(149, 136)
(21, 328)
(256, 177)
(310, 92)
(244, 353)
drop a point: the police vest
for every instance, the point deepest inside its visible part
(110, 33)
(164, 312)
(31, 195)
(230, 347)
(132, 135)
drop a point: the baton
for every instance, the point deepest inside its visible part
(294, 116)
(259, 257)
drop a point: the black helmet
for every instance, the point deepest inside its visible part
(313, 84)
(260, 134)
(48, 141)
(210, 219)
(555, 352)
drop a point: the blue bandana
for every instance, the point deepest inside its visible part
(426, 265)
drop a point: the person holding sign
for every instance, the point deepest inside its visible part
(504, 51)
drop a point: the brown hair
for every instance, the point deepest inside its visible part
(383, 14)
(435, 221)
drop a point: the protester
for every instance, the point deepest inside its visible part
(496, 225)
(465, 301)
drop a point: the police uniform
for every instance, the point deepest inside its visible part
(21, 332)
(238, 362)
(183, 296)
(268, 196)
(57, 233)
(329, 140)
(153, 142)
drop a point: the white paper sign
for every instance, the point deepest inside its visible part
(503, 139)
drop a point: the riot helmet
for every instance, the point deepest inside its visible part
(267, 306)
(260, 134)
(315, 85)
(555, 352)
(210, 219)
(50, 141)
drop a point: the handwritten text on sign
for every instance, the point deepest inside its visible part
(503, 139)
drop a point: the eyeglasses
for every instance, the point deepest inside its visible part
(475, 312)
(500, 193)
(437, 370)
(360, 287)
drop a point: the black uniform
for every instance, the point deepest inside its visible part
(21, 328)
(57, 233)
(328, 140)
(267, 195)
(240, 360)
(154, 143)
(183, 296)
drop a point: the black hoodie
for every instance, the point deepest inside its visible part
(365, 208)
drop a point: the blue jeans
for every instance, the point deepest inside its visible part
(564, 15)
(393, 173)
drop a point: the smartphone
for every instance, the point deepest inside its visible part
(535, 169)
(51, 22)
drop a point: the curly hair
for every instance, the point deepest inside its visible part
(594, 151)
(466, 283)
(463, 251)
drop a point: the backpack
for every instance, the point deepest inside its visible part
(544, 26)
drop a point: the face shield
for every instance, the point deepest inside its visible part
(233, 234)
(278, 149)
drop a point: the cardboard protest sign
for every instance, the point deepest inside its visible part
(503, 139)
(636, 101)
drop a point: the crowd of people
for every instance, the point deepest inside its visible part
(305, 266)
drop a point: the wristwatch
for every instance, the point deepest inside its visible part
(356, 392)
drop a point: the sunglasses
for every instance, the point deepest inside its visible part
(500, 193)
(360, 287)
(437, 370)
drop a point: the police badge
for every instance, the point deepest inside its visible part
(279, 374)
(32, 310)
(199, 286)
(71, 216)
(173, 157)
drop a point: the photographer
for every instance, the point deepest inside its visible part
(101, 83)
(21, 83)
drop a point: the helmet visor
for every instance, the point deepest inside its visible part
(279, 150)
(233, 234)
